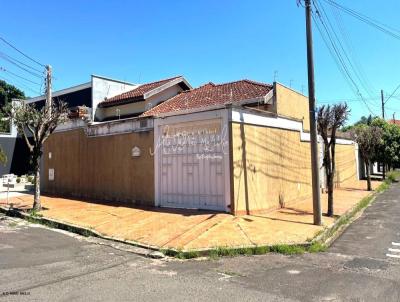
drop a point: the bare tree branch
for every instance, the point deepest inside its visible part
(329, 119)
(41, 123)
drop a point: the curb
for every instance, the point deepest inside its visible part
(329, 235)
(148, 250)
(326, 238)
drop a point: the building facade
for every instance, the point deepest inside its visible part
(239, 147)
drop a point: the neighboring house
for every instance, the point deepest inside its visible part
(109, 99)
(94, 101)
(17, 153)
(393, 121)
(239, 147)
(136, 101)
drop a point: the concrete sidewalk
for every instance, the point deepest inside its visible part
(191, 229)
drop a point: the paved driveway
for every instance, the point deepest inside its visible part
(188, 229)
(44, 265)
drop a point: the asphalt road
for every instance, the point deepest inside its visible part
(38, 264)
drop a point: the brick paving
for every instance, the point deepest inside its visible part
(192, 229)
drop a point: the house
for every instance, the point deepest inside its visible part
(16, 151)
(240, 147)
(136, 101)
(99, 99)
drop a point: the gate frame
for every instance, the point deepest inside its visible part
(222, 114)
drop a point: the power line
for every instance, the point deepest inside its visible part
(392, 93)
(22, 53)
(20, 67)
(342, 100)
(337, 56)
(19, 62)
(340, 47)
(23, 78)
(331, 51)
(349, 99)
(356, 69)
(18, 84)
(389, 30)
(352, 50)
(377, 22)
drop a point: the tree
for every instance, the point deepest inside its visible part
(36, 125)
(369, 139)
(7, 93)
(364, 120)
(329, 120)
(388, 152)
(392, 145)
(3, 157)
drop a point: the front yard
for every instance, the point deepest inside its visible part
(188, 230)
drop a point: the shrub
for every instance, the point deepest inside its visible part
(185, 255)
(317, 247)
(391, 177)
(30, 179)
(18, 180)
(287, 249)
(260, 250)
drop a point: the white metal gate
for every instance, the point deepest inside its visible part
(191, 163)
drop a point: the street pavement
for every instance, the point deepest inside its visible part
(39, 264)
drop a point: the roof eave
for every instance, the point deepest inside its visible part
(61, 92)
(167, 85)
(106, 104)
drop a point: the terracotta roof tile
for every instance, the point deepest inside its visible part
(396, 122)
(211, 94)
(135, 94)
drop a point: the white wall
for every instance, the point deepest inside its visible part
(119, 127)
(106, 88)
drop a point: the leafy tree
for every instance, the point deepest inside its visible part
(329, 120)
(369, 140)
(3, 157)
(364, 120)
(7, 93)
(389, 151)
(39, 124)
(392, 145)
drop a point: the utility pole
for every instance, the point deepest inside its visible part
(49, 101)
(313, 127)
(383, 117)
(383, 104)
(275, 75)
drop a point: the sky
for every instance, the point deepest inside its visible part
(217, 41)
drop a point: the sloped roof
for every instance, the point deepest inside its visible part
(212, 94)
(396, 122)
(136, 94)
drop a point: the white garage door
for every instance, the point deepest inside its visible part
(191, 163)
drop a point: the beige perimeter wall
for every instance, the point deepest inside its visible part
(277, 166)
(290, 103)
(100, 167)
(346, 165)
